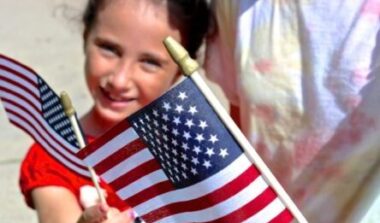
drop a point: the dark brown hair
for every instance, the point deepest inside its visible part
(192, 17)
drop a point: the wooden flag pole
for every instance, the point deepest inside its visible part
(71, 114)
(190, 67)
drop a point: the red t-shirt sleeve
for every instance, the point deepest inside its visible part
(39, 169)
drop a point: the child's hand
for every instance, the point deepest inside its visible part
(115, 216)
(102, 213)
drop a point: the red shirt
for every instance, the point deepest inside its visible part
(40, 169)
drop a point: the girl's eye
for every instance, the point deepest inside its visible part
(151, 65)
(109, 49)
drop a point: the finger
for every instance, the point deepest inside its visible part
(94, 214)
(126, 216)
(112, 212)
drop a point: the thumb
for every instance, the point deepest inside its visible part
(94, 214)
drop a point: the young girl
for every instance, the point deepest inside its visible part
(126, 67)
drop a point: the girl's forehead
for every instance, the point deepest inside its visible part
(123, 21)
(137, 3)
(158, 8)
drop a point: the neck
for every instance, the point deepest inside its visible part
(94, 125)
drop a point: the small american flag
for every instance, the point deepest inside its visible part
(174, 161)
(32, 105)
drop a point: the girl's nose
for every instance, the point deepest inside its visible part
(121, 77)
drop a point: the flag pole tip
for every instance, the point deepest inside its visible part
(66, 103)
(180, 56)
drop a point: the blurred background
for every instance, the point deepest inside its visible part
(46, 36)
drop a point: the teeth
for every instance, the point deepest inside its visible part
(113, 97)
(116, 98)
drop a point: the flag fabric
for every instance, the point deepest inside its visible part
(174, 161)
(34, 107)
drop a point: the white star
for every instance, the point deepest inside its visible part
(187, 135)
(165, 128)
(184, 156)
(203, 124)
(165, 137)
(174, 142)
(147, 117)
(193, 110)
(210, 152)
(206, 164)
(165, 117)
(194, 171)
(155, 122)
(175, 132)
(175, 152)
(155, 113)
(182, 95)
(177, 121)
(166, 106)
(179, 108)
(213, 139)
(223, 153)
(183, 165)
(197, 149)
(184, 175)
(185, 146)
(199, 138)
(149, 127)
(189, 123)
(195, 160)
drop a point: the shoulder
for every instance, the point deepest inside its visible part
(40, 169)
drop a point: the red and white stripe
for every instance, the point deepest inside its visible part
(237, 193)
(20, 96)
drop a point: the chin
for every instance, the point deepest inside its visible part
(110, 117)
(116, 118)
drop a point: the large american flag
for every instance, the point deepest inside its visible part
(32, 105)
(174, 161)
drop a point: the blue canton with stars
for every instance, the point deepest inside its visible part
(185, 135)
(54, 114)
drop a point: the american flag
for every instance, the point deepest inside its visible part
(174, 161)
(32, 105)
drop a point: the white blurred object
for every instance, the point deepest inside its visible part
(88, 196)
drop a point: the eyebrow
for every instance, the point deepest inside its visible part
(157, 57)
(110, 42)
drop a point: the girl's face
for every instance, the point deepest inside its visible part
(127, 65)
